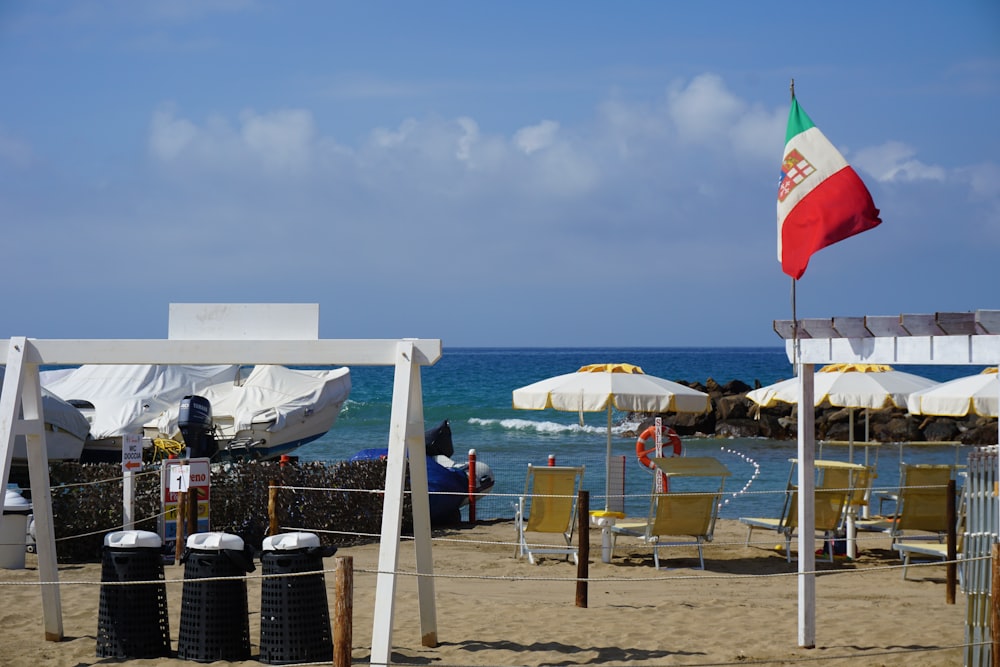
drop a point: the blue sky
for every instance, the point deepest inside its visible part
(516, 173)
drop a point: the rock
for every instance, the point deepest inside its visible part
(940, 429)
(732, 415)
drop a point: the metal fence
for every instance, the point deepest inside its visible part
(977, 544)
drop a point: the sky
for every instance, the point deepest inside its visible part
(551, 174)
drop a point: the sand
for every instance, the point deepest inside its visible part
(527, 614)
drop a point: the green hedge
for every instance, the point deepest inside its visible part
(87, 502)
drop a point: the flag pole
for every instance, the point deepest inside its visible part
(795, 319)
(806, 469)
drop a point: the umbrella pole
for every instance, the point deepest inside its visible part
(607, 466)
(850, 435)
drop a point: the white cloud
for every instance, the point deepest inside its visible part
(984, 179)
(169, 136)
(894, 162)
(704, 108)
(280, 139)
(536, 137)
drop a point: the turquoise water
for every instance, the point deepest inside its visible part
(471, 387)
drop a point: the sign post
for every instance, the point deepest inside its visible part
(131, 462)
(193, 478)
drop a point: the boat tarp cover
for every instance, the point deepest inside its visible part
(58, 412)
(126, 396)
(271, 394)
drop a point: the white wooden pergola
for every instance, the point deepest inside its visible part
(971, 338)
(286, 334)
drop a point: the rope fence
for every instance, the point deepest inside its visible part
(500, 507)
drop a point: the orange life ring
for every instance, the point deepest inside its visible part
(668, 434)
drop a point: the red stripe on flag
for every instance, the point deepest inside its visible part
(838, 208)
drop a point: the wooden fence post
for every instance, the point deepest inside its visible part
(951, 572)
(583, 553)
(181, 522)
(343, 610)
(272, 508)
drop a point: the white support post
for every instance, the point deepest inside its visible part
(406, 432)
(22, 394)
(807, 507)
(416, 449)
(267, 346)
(128, 500)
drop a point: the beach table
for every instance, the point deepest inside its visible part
(605, 520)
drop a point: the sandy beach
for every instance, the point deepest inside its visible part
(495, 609)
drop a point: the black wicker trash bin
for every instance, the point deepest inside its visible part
(294, 613)
(132, 620)
(215, 623)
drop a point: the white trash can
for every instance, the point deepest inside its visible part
(13, 530)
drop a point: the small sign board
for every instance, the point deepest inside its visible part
(187, 475)
(131, 452)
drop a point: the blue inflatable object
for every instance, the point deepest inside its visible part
(447, 481)
(448, 486)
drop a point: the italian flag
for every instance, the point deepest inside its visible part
(821, 199)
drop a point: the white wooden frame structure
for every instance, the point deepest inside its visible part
(971, 338)
(21, 414)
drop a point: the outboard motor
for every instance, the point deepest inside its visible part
(195, 422)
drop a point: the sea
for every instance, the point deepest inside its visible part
(472, 389)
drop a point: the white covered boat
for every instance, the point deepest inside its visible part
(274, 411)
(270, 412)
(120, 398)
(66, 429)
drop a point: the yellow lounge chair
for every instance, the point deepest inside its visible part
(921, 504)
(834, 493)
(548, 506)
(930, 549)
(679, 514)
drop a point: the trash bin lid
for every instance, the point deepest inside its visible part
(290, 541)
(130, 539)
(215, 542)
(14, 503)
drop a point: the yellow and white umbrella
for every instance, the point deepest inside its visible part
(973, 394)
(602, 386)
(848, 386)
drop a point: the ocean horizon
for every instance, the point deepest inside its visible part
(472, 387)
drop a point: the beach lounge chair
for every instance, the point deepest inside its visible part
(921, 504)
(548, 507)
(833, 495)
(679, 513)
(930, 550)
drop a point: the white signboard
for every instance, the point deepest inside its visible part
(131, 452)
(180, 478)
(191, 476)
(194, 473)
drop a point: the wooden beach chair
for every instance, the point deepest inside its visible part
(833, 495)
(548, 506)
(679, 514)
(921, 504)
(929, 550)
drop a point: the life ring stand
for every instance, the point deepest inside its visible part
(667, 434)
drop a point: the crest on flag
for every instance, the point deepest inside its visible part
(795, 168)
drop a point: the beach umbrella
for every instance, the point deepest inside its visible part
(600, 387)
(976, 394)
(849, 386)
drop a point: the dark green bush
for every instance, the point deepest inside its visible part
(341, 502)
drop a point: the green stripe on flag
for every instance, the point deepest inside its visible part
(798, 121)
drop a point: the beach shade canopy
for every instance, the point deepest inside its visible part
(600, 387)
(849, 386)
(974, 394)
